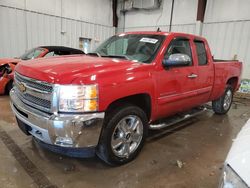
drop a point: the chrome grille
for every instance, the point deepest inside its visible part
(44, 87)
(37, 94)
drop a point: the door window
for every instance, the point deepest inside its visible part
(201, 52)
(179, 46)
(58, 53)
(50, 54)
(32, 54)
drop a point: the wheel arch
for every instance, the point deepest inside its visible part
(142, 100)
(233, 81)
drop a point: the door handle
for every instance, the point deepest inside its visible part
(192, 76)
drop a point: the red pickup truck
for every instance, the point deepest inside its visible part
(104, 102)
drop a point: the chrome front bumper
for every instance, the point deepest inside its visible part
(67, 130)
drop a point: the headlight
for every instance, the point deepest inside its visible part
(83, 98)
(230, 179)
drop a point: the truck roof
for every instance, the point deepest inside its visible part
(161, 33)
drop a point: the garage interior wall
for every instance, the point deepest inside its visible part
(184, 17)
(227, 29)
(30, 23)
(226, 25)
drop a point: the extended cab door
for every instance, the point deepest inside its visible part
(177, 85)
(205, 70)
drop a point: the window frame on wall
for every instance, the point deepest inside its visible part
(82, 44)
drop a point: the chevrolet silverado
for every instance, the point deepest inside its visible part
(104, 102)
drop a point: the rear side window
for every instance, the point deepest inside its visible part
(201, 52)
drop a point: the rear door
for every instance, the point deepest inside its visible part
(205, 70)
(177, 85)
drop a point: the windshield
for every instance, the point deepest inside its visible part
(137, 47)
(32, 54)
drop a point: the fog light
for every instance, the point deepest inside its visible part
(64, 141)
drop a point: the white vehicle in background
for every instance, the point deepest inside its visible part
(236, 172)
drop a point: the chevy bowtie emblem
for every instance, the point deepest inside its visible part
(22, 87)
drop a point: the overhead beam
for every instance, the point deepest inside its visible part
(171, 16)
(115, 17)
(201, 10)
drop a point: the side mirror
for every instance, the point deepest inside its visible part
(175, 60)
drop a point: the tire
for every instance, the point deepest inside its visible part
(123, 135)
(222, 105)
(8, 87)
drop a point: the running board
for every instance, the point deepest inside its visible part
(177, 118)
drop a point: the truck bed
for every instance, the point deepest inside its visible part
(223, 60)
(223, 71)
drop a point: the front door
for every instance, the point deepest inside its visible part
(177, 85)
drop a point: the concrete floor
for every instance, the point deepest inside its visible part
(200, 143)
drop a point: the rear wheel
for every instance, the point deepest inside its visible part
(123, 136)
(223, 104)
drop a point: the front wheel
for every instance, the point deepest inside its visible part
(223, 104)
(123, 136)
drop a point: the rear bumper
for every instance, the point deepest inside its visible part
(64, 130)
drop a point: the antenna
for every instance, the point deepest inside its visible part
(158, 29)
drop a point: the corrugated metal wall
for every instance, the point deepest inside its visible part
(22, 30)
(229, 39)
(227, 29)
(184, 17)
(186, 28)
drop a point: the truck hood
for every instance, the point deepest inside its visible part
(63, 70)
(239, 155)
(8, 60)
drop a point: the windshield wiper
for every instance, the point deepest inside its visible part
(112, 56)
(117, 56)
(94, 53)
(25, 58)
